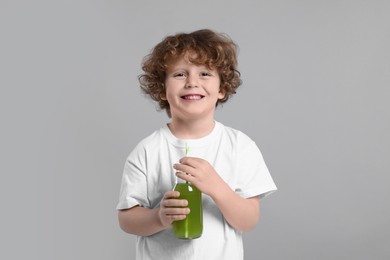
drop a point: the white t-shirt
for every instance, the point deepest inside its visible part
(149, 173)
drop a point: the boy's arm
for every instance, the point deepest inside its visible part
(140, 221)
(145, 222)
(241, 213)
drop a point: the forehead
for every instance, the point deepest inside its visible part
(179, 61)
(182, 64)
(190, 58)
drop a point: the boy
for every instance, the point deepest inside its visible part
(189, 75)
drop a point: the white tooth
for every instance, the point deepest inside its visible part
(193, 97)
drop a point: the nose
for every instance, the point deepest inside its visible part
(192, 81)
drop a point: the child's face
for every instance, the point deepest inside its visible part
(192, 90)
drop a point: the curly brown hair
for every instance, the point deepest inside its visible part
(214, 50)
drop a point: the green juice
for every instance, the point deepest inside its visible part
(192, 226)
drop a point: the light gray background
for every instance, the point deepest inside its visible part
(315, 98)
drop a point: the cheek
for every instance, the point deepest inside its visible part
(169, 95)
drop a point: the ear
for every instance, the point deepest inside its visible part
(163, 96)
(221, 94)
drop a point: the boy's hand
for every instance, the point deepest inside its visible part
(200, 173)
(171, 208)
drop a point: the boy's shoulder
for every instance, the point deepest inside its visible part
(235, 134)
(152, 139)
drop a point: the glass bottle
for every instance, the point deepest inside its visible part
(192, 226)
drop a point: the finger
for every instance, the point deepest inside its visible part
(186, 177)
(177, 217)
(175, 203)
(191, 161)
(176, 211)
(184, 168)
(171, 194)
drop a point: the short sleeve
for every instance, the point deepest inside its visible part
(133, 186)
(254, 178)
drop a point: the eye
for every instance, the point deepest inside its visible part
(205, 74)
(179, 75)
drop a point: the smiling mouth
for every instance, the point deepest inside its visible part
(192, 97)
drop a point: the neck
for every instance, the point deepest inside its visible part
(191, 129)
